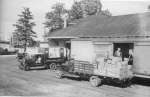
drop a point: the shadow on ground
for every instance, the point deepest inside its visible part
(141, 81)
(134, 81)
(37, 68)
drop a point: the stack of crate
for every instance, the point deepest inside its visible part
(124, 70)
(117, 68)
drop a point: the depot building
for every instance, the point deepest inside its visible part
(99, 36)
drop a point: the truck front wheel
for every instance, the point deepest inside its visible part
(95, 81)
(53, 66)
(24, 65)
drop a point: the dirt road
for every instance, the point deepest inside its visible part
(15, 82)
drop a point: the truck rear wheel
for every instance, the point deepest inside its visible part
(53, 66)
(95, 81)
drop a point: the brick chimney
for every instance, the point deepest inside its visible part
(65, 18)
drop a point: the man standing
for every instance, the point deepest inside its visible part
(118, 53)
(130, 57)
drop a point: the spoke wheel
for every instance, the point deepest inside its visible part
(23, 64)
(53, 66)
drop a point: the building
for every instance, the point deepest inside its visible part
(99, 36)
(15, 41)
(4, 45)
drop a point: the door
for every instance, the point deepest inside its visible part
(142, 58)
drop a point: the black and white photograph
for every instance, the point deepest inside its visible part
(75, 48)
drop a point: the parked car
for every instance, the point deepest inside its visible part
(6, 51)
(28, 60)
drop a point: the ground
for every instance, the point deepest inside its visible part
(41, 82)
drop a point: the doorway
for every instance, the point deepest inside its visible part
(125, 47)
(68, 49)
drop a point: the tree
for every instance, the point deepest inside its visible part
(53, 18)
(24, 28)
(59, 9)
(106, 12)
(85, 8)
(91, 7)
(148, 7)
(76, 11)
(80, 9)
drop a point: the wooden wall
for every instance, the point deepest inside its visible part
(142, 58)
(86, 50)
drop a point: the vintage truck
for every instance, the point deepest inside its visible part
(49, 58)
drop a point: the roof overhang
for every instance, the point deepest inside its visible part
(68, 37)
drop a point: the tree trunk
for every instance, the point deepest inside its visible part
(25, 46)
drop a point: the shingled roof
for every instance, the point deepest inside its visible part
(132, 25)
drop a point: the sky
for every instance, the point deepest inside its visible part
(9, 9)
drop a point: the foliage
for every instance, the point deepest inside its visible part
(85, 8)
(91, 7)
(79, 9)
(148, 7)
(53, 18)
(76, 11)
(106, 12)
(24, 28)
